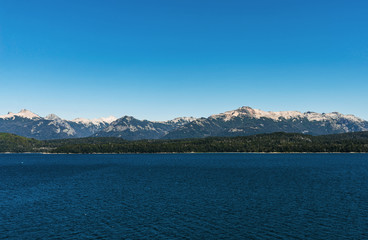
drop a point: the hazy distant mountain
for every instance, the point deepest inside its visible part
(248, 121)
(27, 124)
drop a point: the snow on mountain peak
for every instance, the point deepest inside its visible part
(109, 119)
(52, 117)
(278, 116)
(24, 113)
(256, 113)
(95, 121)
(27, 114)
(312, 116)
(178, 120)
(184, 119)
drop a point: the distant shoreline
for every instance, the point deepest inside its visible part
(274, 143)
(132, 153)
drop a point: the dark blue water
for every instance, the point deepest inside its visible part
(184, 196)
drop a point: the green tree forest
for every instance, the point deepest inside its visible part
(275, 142)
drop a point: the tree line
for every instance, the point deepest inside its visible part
(274, 142)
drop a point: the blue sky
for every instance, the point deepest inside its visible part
(161, 59)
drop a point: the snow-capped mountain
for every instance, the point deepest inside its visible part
(131, 128)
(248, 121)
(24, 113)
(28, 124)
(96, 121)
(240, 122)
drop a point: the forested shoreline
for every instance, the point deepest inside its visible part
(274, 142)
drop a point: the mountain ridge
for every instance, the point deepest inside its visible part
(239, 122)
(248, 121)
(28, 124)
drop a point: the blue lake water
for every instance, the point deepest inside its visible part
(184, 196)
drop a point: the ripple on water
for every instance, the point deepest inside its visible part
(184, 196)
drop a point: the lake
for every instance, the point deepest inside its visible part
(184, 196)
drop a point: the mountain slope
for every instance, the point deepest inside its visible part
(13, 143)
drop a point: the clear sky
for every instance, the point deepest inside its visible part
(159, 59)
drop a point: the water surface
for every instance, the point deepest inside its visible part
(184, 196)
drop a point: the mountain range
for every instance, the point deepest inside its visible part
(240, 122)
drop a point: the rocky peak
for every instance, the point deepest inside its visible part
(52, 117)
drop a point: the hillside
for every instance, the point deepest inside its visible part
(13, 143)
